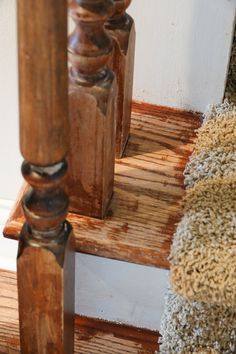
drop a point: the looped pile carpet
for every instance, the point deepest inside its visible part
(193, 327)
(200, 311)
(203, 254)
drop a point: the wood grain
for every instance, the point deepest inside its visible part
(122, 29)
(92, 107)
(45, 259)
(91, 336)
(148, 190)
(44, 106)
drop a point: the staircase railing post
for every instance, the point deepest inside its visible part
(45, 263)
(92, 100)
(121, 27)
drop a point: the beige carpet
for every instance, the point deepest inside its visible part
(203, 254)
(192, 327)
(200, 311)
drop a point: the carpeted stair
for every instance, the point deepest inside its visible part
(200, 310)
(203, 255)
(195, 327)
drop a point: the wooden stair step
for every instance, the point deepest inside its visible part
(148, 190)
(91, 336)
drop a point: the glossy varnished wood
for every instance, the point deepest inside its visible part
(45, 259)
(92, 106)
(39, 65)
(91, 336)
(122, 29)
(148, 191)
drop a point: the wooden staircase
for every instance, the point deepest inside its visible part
(112, 237)
(148, 191)
(136, 226)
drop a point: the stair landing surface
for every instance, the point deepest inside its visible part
(148, 191)
(91, 336)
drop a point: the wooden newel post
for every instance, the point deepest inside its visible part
(121, 27)
(92, 100)
(45, 262)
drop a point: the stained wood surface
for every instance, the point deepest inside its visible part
(92, 108)
(122, 29)
(91, 157)
(43, 98)
(45, 279)
(45, 259)
(91, 336)
(148, 191)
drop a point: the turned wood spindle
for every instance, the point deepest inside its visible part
(121, 27)
(45, 262)
(92, 100)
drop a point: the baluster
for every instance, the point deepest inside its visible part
(122, 28)
(45, 262)
(92, 97)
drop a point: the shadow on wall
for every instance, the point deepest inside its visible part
(230, 91)
(182, 51)
(205, 37)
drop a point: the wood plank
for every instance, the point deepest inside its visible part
(91, 336)
(148, 190)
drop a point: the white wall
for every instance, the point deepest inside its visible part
(182, 51)
(10, 159)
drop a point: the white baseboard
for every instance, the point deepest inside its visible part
(106, 289)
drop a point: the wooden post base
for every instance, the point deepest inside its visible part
(92, 147)
(46, 293)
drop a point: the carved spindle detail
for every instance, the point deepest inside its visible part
(45, 262)
(89, 45)
(120, 15)
(122, 28)
(92, 98)
(45, 205)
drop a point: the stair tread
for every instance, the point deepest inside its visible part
(148, 190)
(91, 336)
